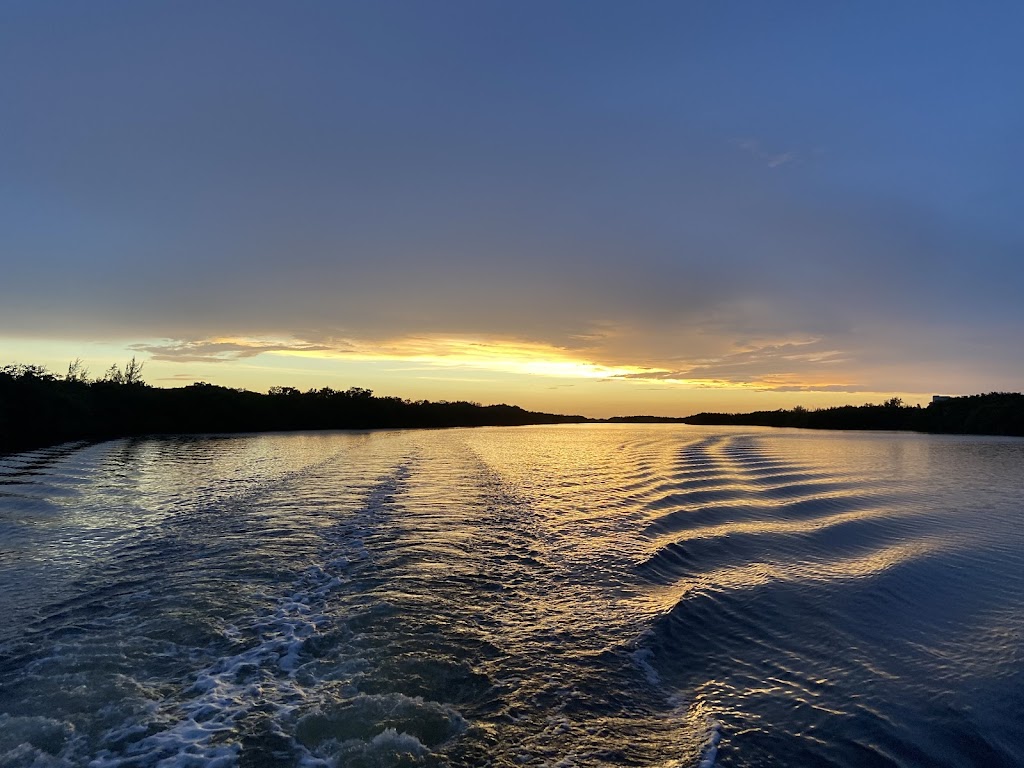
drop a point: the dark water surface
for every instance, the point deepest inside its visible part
(587, 595)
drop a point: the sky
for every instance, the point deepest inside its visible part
(580, 207)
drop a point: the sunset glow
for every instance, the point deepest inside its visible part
(468, 202)
(493, 355)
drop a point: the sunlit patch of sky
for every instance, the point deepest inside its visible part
(666, 206)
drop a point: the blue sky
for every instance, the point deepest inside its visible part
(581, 206)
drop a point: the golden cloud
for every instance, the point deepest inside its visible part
(750, 366)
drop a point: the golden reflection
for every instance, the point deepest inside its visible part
(757, 574)
(778, 527)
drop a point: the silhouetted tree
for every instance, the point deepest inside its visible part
(77, 371)
(38, 408)
(133, 372)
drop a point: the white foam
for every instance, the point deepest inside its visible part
(642, 658)
(192, 733)
(35, 741)
(388, 747)
(390, 740)
(26, 754)
(710, 752)
(202, 729)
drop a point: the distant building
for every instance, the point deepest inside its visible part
(940, 398)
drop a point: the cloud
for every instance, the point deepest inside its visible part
(408, 196)
(179, 377)
(851, 388)
(752, 365)
(774, 161)
(494, 354)
(763, 365)
(771, 159)
(221, 350)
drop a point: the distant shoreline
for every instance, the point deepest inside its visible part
(995, 413)
(40, 409)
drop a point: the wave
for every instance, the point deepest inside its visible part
(541, 596)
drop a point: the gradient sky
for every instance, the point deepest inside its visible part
(586, 207)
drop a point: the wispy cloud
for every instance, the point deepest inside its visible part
(632, 225)
(494, 354)
(781, 366)
(772, 159)
(218, 350)
(787, 365)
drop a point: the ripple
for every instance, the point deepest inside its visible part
(596, 595)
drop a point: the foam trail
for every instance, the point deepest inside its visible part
(593, 595)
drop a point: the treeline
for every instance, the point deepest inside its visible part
(995, 413)
(39, 408)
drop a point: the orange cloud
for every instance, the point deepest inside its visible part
(503, 355)
(798, 364)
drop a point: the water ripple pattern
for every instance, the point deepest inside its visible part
(584, 595)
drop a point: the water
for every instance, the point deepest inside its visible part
(586, 595)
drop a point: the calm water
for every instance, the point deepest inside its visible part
(588, 595)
